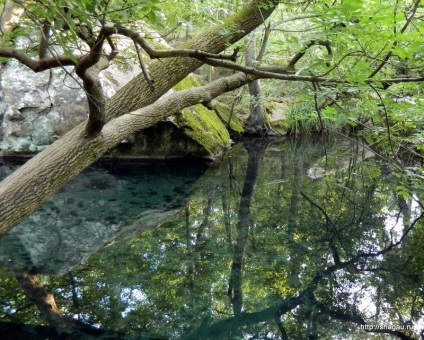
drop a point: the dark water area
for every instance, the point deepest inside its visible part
(304, 239)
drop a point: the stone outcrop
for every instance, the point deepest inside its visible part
(37, 108)
(195, 131)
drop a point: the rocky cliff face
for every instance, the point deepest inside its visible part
(38, 108)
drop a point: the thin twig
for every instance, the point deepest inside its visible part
(144, 67)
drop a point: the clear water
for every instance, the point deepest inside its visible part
(279, 240)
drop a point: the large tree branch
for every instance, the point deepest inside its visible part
(301, 53)
(284, 73)
(43, 64)
(338, 314)
(35, 182)
(157, 54)
(42, 298)
(219, 329)
(44, 40)
(88, 69)
(168, 72)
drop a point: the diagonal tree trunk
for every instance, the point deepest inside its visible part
(36, 181)
(168, 72)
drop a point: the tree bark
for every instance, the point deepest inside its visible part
(168, 72)
(35, 182)
(256, 122)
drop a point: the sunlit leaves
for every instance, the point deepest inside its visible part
(73, 22)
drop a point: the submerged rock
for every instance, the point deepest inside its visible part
(349, 154)
(96, 209)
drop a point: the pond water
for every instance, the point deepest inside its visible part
(304, 239)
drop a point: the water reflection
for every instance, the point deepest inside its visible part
(282, 240)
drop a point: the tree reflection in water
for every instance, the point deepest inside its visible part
(282, 240)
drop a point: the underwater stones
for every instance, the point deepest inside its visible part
(98, 184)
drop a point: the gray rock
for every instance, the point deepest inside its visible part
(39, 107)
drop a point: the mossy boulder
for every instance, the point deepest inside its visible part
(229, 119)
(201, 124)
(195, 131)
(280, 126)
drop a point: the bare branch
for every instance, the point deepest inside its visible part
(300, 17)
(144, 67)
(341, 315)
(39, 65)
(283, 73)
(44, 40)
(386, 117)
(265, 39)
(114, 52)
(311, 43)
(157, 54)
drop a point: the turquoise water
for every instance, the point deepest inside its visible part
(278, 240)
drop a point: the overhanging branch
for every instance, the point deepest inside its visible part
(283, 73)
(43, 64)
(157, 54)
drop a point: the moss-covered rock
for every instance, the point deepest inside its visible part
(200, 124)
(205, 128)
(280, 126)
(195, 131)
(230, 120)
